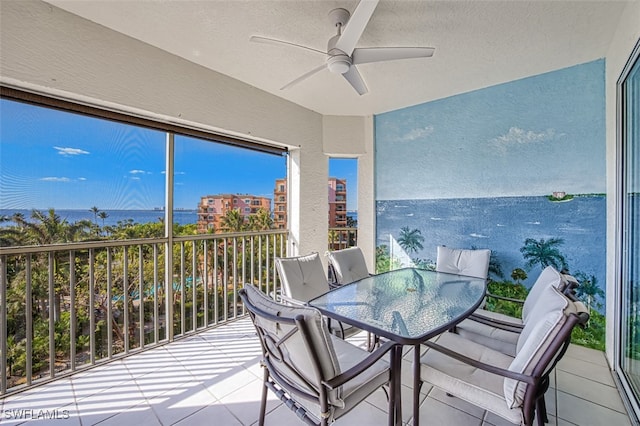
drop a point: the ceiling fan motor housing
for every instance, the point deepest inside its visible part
(338, 62)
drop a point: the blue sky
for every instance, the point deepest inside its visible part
(54, 159)
(527, 137)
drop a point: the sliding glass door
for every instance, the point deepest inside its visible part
(629, 186)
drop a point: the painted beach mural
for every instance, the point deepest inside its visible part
(518, 168)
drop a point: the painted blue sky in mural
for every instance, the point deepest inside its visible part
(528, 137)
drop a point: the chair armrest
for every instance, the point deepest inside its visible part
(481, 365)
(359, 368)
(496, 323)
(291, 300)
(508, 299)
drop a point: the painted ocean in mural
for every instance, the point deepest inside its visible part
(475, 170)
(502, 224)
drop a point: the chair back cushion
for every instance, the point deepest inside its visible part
(291, 355)
(348, 265)
(549, 277)
(302, 277)
(545, 321)
(472, 263)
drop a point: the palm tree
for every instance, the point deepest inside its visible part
(261, 220)
(544, 253)
(95, 210)
(103, 215)
(233, 221)
(410, 239)
(9, 235)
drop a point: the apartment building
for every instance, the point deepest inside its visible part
(212, 208)
(337, 215)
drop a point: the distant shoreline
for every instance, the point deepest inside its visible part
(582, 195)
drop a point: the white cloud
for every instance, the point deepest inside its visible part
(519, 136)
(135, 178)
(414, 134)
(70, 151)
(82, 178)
(55, 179)
(138, 172)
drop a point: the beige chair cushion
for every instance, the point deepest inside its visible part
(348, 264)
(476, 386)
(472, 263)
(495, 338)
(334, 356)
(544, 323)
(294, 347)
(502, 340)
(302, 277)
(549, 277)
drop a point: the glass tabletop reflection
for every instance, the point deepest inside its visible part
(405, 305)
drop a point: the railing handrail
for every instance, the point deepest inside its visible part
(83, 245)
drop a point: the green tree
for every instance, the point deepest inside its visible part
(518, 275)
(10, 236)
(261, 220)
(544, 253)
(103, 215)
(233, 221)
(410, 239)
(95, 210)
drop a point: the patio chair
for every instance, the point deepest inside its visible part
(303, 278)
(346, 266)
(472, 263)
(511, 387)
(316, 375)
(501, 332)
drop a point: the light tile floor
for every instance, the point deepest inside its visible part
(213, 378)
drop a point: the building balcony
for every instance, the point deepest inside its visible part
(215, 374)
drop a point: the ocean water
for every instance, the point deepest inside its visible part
(183, 217)
(502, 225)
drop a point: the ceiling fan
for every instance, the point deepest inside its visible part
(342, 56)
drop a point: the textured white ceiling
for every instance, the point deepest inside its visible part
(478, 43)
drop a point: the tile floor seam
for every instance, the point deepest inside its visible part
(449, 405)
(595, 403)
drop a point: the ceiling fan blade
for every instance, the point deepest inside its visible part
(379, 54)
(303, 77)
(355, 79)
(355, 26)
(267, 40)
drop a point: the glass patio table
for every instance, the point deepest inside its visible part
(407, 306)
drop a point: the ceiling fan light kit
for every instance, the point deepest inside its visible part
(342, 56)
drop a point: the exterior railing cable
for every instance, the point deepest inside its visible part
(67, 307)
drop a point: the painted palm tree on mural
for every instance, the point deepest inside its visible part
(410, 239)
(544, 253)
(589, 289)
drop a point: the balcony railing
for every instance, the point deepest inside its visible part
(67, 307)
(342, 237)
